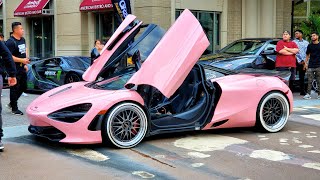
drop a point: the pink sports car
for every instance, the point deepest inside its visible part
(121, 103)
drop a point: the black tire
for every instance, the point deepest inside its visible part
(273, 112)
(124, 126)
(72, 77)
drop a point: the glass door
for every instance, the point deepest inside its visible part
(210, 22)
(42, 41)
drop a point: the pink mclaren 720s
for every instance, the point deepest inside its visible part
(147, 82)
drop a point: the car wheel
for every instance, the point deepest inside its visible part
(72, 77)
(273, 112)
(125, 125)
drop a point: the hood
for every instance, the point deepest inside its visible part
(235, 62)
(68, 95)
(173, 58)
(114, 47)
(216, 57)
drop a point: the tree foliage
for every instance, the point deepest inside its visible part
(310, 25)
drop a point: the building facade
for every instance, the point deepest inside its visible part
(69, 27)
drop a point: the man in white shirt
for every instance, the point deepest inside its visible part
(301, 56)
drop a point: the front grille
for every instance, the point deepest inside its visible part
(49, 132)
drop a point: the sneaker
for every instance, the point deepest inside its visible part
(307, 96)
(9, 106)
(1, 146)
(17, 112)
(24, 94)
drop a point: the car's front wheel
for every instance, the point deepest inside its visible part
(273, 112)
(125, 125)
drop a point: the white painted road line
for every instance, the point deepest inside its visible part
(312, 116)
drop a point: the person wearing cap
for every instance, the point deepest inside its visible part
(313, 63)
(301, 56)
(286, 56)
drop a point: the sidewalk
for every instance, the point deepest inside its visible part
(298, 101)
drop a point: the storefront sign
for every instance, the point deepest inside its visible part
(30, 7)
(95, 5)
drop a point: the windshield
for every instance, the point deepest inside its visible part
(116, 82)
(145, 42)
(148, 41)
(243, 47)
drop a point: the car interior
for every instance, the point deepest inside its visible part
(189, 105)
(40, 68)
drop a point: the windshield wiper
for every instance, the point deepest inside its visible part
(96, 86)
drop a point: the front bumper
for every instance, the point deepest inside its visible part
(48, 132)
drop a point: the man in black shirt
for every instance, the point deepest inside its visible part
(17, 46)
(11, 70)
(313, 63)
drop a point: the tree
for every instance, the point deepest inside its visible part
(310, 25)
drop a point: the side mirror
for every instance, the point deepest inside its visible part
(269, 51)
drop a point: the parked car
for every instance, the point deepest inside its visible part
(5, 74)
(169, 92)
(241, 53)
(249, 55)
(44, 75)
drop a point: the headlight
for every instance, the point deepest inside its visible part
(71, 114)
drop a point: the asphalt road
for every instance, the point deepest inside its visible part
(293, 153)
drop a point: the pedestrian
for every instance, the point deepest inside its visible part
(312, 63)
(11, 70)
(95, 52)
(301, 56)
(286, 56)
(17, 46)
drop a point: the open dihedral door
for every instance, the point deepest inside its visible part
(173, 58)
(124, 31)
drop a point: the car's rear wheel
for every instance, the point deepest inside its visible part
(273, 112)
(72, 77)
(125, 125)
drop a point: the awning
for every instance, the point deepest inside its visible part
(95, 5)
(30, 7)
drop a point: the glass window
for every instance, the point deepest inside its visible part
(272, 44)
(315, 7)
(210, 22)
(243, 47)
(76, 63)
(42, 40)
(302, 10)
(104, 25)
